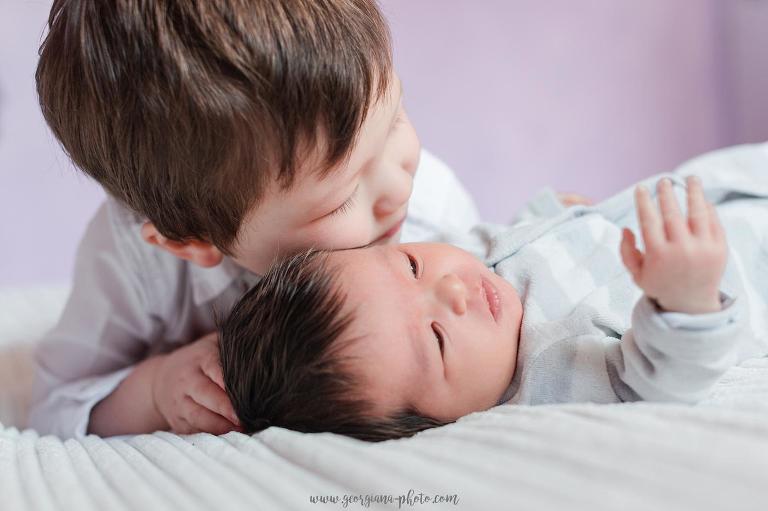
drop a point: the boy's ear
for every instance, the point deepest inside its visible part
(199, 252)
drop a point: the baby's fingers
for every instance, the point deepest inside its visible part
(632, 257)
(648, 216)
(698, 213)
(674, 223)
(715, 227)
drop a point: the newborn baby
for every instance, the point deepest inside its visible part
(385, 341)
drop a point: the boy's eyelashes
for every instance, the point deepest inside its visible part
(346, 206)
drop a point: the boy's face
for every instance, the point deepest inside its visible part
(362, 201)
(433, 328)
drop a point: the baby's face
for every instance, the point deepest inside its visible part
(433, 328)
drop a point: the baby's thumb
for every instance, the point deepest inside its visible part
(630, 255)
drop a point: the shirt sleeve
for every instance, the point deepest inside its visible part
(103, 331)
(679, 357)
(440, 208)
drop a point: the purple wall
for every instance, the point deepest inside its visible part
(585, 96)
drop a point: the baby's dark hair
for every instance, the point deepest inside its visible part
(283, 362)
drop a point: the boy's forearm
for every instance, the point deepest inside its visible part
(130, 409)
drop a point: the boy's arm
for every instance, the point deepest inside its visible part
(103, 331)
(130, 408)
(182, 391)
(110, 323)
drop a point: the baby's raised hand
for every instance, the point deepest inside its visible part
(684, 258)
(188, 389)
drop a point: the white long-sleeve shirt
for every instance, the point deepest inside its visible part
(130, 300)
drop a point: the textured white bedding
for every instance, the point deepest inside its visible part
(632, 456)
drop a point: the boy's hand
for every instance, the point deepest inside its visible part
(573, 199)
(684, 258)
(188, 390)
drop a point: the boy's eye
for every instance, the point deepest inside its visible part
(347, 204)
(343, 208)
(439, 337)
(414, 265)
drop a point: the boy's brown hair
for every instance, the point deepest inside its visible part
(282, 355)
(185, 109)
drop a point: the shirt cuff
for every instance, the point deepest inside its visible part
(704, 321)
(97, 391)
(66, 411)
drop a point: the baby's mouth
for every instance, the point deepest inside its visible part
(491, 296)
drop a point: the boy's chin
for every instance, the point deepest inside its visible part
(391, 240)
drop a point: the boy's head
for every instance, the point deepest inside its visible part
(387, 339)
(252, 128)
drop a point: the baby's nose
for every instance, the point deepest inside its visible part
(452, 292)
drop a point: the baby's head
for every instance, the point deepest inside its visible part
(375, 343)
(248, 128)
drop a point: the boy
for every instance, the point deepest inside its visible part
(383, 342)
(227, 134)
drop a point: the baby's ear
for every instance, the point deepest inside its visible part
(198, 252)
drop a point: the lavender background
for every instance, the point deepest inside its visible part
(585, 96)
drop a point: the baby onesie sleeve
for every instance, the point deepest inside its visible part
(544, 204)
(102, 332)
(677, 357)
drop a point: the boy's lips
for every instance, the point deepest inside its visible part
(391, 232)
(491, 295)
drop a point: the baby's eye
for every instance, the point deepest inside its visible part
(414, 265)
(439, 337)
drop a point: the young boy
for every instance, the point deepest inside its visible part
(383, 342)
(227, 134)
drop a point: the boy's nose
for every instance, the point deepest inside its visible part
(385, 207)
(451, 291)
(394, 192)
